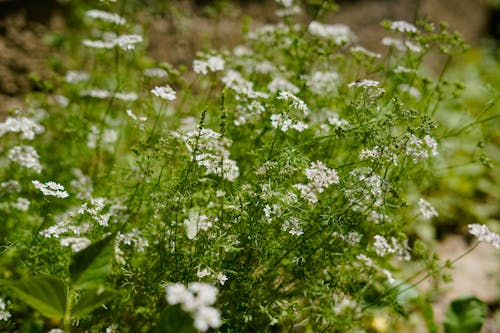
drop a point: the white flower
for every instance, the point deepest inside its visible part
(127, 42)
(105, 16)
(77, 244)
(484, 234)
(206, 317)
(292, 226)
(196, 222)
(165, 92)
(364, 84)
(21, 204)
(56, 330)
(212, 63)
(126, 96)
(204, 272)
(96, 93)
(51, 189)
(25, 156)
(222, 278)
(426, 209)
(340, 34)
(4, 315)
(178, 294)
(27, 127)
(76, 76)
(155, 72)
(403, 26)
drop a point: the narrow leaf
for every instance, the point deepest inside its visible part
(174, 319)
(428, 313)
(45, 294)
(90, 267)
(91, 300)
(466, 314)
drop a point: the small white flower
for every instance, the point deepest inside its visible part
(206, 317)
(77, 244)
(76, 76)
(127, 42)
(340, 34)
(155, 72)
(164, 92)
(178, 294)
(51, 189)
(403, 26)
(426, 209)
(105, 16)
(484, 234)
(222, 278)
(364, 84)
(25, 156)
(21, 204)
(212, 64)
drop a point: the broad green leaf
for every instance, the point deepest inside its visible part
(89, 268)
(174, 319)
(92, 299)
(466, 314)
(45, 294)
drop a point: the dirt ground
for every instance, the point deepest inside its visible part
(25, 24)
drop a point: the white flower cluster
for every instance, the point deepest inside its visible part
(211, 63)
(364, 84)
(77, 244)
(484, 234)
(382, 247)
(352, 238)
(292, 226)
(283, 123)
(322, 83)
(220, 277)
(426, 209)
(370, 193)
(25, 156)
(196, 299)
(51, 189)
(165, 92)
(419, 149)
(242, 87)
(76, 76)
(403, 26)
(295, 102)
(155, 72)
(345, 304)
(81, 185)
(132, 238)
(128, 96)
(320, 177)
(378, 153)
(279, 83)
(27, 127)
(401, 45)
(21, 204)
(196, 222)
(288, 8)
(106, 139)
(360, 50)
(211, 151)
(105, 16)
(4, 314)
(340, 34)
(126, 42)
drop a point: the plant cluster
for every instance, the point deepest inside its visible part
(277, 186)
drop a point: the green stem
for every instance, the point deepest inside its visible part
(67, 314)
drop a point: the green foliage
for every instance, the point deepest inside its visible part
(302, 174)
(90, 267)
(465, 314)
(45, 294)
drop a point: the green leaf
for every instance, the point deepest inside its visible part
(90, 268)
(45, 294)
(428, 313)
(92, 299)
(466, 314)
(174, 319)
